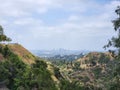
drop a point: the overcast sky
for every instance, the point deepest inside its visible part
(54, 24)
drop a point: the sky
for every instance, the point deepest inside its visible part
(54, 24)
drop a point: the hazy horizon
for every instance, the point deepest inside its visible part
(61, 49)
(54, 24)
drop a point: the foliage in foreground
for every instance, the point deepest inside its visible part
(17, 75)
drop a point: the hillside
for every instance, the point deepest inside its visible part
(20, 70)
(93, 70)
(94, 59)
(19, 50)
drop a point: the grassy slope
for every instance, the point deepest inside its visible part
(19, 50)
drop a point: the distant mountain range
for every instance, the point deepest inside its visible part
(62, 52)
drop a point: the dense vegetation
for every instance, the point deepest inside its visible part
(17, 75)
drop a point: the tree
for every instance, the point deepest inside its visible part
(12, 70)
(115, 42)
(41, 78)
(2, 36)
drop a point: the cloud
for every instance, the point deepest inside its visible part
(84, 23)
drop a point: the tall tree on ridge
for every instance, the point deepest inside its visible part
(2, 36)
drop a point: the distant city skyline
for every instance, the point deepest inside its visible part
(54, 24)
